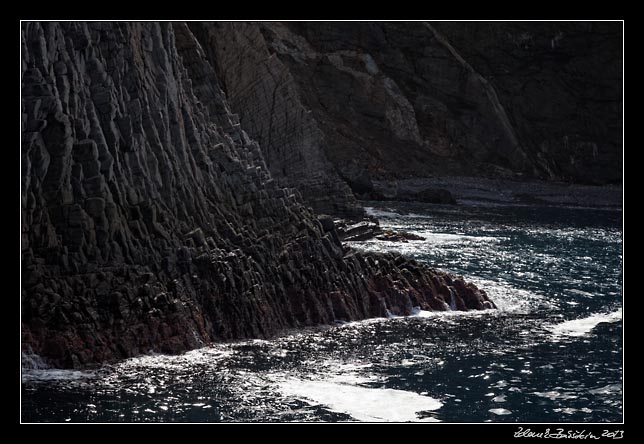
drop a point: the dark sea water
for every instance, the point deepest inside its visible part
(551, 353)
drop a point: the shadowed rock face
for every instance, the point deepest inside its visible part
(561, 84)
(396, 100)
(150, 220)
(265, 94)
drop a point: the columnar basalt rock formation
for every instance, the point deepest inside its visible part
(150, 220)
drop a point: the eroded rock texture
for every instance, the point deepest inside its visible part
(150, 220)
(263, 91)
(387, 101)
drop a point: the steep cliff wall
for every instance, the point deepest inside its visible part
(415, 99)
(262, 90)
(562, 85)
(150, 220)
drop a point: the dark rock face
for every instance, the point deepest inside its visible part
(262, 90)
(403, 191)
(561, 84)
(150, 220)
(364, 229)
(397, 100)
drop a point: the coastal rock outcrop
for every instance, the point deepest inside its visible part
(150, 219)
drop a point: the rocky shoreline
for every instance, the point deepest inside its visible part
(150, 220)
(175, 193)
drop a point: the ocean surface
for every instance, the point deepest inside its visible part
(552, 352)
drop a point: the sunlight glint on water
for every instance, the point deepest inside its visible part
(551, 352)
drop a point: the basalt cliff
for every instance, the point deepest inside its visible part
(182, 182)
(154, 218)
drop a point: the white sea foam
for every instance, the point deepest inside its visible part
(204, 355)
(345, 372)
(583, 326)
(431, 238)
(449, 238)
(371, 211)
(418, 216)
(54, 374)
(450, 314)
(508, 298)
(390, 212)
(362, 403)
(500, 411)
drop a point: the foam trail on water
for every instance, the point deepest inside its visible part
(500, 411)
(362, 403)
(583, 326)
(434, 238)
(371, 211)
(55, 374)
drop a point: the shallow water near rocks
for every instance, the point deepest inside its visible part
(552, 352)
